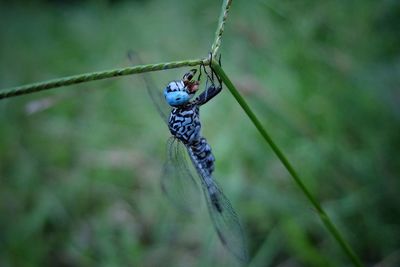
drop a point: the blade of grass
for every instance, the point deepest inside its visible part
(87, 77)
(221, 25)
(320, 211)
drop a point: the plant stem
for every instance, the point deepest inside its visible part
(221, 25)
(321, 213)
(86, 77)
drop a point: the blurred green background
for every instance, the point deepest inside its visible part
(80, 166)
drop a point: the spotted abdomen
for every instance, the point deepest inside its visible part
(202, 152)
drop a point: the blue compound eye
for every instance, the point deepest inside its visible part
(176, 98)
(176, 94)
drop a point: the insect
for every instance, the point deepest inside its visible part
(178, 182)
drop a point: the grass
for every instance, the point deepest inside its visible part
(82, 185)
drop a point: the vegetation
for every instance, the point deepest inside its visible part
(80, 165)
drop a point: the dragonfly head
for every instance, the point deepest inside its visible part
(178, 93)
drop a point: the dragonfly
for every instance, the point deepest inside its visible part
(180, 110)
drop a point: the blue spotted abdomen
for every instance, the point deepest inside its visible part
(202, 152)
(184, 124)
(203, 159)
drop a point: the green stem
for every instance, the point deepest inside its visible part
(86, 77)
(221, 25)
(321, 213)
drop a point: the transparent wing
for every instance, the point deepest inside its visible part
(156, 95)
(178, 182)
(223, 216)
(226, 222)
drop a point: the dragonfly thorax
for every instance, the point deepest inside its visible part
(184, 123)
